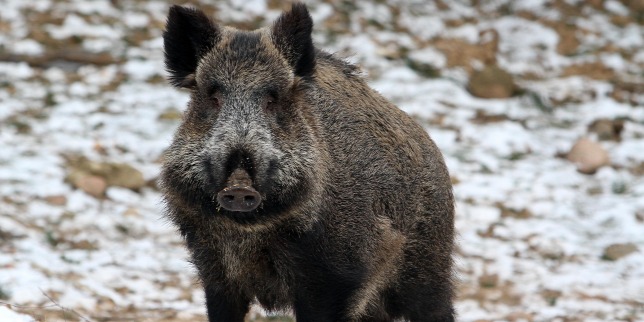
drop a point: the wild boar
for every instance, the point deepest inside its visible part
(298, 187)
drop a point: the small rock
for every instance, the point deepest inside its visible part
(114, 174)
(423, 69)
(91, 184)
(637, 169)
(607, 129)
(100, 149)
(131, 212)
(461, 53)
(83, 244)
(506, 212)
(594, 191)
(551, 296)
(153, 183)
(56, 200)
(482, 117)
(617, 251)
(520, 316)
(492, 82)
(170, 115)
(124, 175)
(639, 215)
(588, 156)
(489, 280)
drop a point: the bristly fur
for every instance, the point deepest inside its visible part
(356, 221)
(189, 35)
(292, 36)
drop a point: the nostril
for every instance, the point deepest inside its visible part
(239, 198)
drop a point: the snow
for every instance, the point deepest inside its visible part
(528, 45)
(17, 71)
(429, 56)
(136, 19)
(523, 213)
(6, 315)
(27, 47)
(422, 26)
(74, 25)
(616, 7)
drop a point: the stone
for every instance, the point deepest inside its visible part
(461, 53)
(492, 82)
(114, 174)
(588, 155)
(639, 215)
(124, 175)
(488, 280)
(607, 129)
(91, 184)
(56, 200)
(520, 317)
(617, 251)
(170, 115)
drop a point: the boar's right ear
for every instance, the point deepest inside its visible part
(291, 35)
(188, 36)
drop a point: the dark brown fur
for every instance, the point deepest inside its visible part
(356, 220)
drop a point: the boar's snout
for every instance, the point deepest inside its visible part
(239, 195)
(242, 199)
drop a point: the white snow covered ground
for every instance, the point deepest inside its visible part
(10, 316)
(83, 100)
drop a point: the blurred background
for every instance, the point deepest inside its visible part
(538, 106)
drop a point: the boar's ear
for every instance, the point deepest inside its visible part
(292, 36)
(188, 36)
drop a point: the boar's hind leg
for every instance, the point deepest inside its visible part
(436, 307)
(223, 307)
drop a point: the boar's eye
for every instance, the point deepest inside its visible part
(270, 103)
(215, 98)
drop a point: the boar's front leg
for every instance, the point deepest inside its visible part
(222, 306)
(324, 298)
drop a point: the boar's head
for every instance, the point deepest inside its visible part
(246, 148)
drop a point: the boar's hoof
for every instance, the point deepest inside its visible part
(238, 198)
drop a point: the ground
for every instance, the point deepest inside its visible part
(506, 89)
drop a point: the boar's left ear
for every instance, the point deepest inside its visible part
(291, 35)
(188, 36)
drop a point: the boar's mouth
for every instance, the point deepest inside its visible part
(239, 194)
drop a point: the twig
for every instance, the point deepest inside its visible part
(83, 318)
(27, 307)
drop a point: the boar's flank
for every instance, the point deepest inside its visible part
(297, 186)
